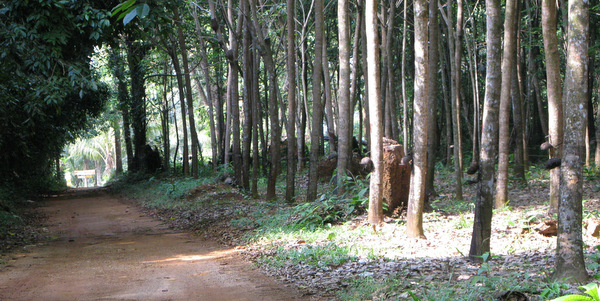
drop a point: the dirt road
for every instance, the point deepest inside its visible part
(103, 249)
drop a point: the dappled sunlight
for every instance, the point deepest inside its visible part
(194, 257)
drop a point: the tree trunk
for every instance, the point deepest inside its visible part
(117, 66)
(482, 224)
(473, 73)
(210, 100)
(248, 58)
(188, 94)
(432, 93)
(180, 85)
(118, 151)
(597, 154)
(329, 110)
(135, 54)
(303, 105)
(364, 113)
(517, 108)
(164, 119)
(416, 198)
(344, 128)
(264, 48)
(233, 89)
(569, 262)
(405, 133)
(390, 96)
(176, 134)
(446, 100)
(553, 81)
(317, 121)
(456, 101)
(255, 133)
(291, 89)
(508, 63)
(375, 215)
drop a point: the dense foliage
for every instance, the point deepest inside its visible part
(47, 88)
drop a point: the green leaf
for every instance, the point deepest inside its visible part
(129, 16)
(143, 10)
(574, 298)
(122, 7)
(591, 289)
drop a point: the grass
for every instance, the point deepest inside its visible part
(331, 233)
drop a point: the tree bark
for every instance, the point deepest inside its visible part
(317, 121)
(248, 59)
(188, 94)
(569, 262)
(264, 48)
(291, 89)
(329, 110)
(508, 63)
(375, 215)
(344, 128)
(405, 133)
(553, 82)
(517, 106)
(118, 151)
(416, 198)
(117, 66)
(210, 104)
(135, 53)
(432, 91)
(482, 224)
(456, 101)
(597, 154)
(180, 86)
(164, 118)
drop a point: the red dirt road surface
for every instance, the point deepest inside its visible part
(103, 249)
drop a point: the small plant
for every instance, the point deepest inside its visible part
(552, 290)
(591, 290)
(463, 222)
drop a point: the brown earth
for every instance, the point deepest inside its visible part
(100, 248)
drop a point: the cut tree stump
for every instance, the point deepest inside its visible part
(396, 177)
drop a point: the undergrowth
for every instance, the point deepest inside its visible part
(328, 232)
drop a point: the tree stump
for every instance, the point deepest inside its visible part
(396, 178)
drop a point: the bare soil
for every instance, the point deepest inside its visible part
(100, 248)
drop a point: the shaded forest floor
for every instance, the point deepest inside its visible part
(327, 249)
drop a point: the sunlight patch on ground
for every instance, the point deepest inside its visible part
(194, 257)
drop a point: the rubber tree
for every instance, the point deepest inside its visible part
(508, 63)
(569, 260)
(482, 224)
(375, 214)
(554, 91)
(416, 197)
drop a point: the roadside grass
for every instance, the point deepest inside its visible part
(328, 247)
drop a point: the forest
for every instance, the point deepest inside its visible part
(298, 101)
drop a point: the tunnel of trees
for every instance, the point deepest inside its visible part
(267, 89)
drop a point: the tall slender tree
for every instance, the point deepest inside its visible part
(508, 63)
(455, 106)
(570, 265)
(416, 197)
(344, 128)
(432, 128)
(554, 91)
(317, 120)
(136, 51)
(375, 120)
(291, 89)
(482, 224)
(188, 93)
